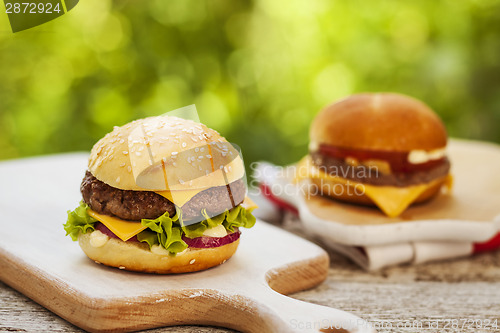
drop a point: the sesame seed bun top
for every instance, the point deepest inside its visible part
(164, 152)
(379, 121)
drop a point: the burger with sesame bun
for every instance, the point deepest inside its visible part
(162, 195)
(379, 149)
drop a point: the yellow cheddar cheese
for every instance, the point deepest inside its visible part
(249, 204)
(180, 198)
(121, 228)
(128, 229)
(390, 199)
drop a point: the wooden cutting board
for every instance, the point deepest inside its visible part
(244, 294)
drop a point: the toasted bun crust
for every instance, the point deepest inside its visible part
(133, 256)
(327, 185)
(131, 157)
(381, 121)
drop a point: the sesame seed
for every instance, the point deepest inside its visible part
(209, 156)
(174, 153)
(192, 261)
(122, 164)
(125, 152)
(122, 141)
(196, 149)
(184, 145)
(181, 181)
(129, 168)
(202, 149)
(117, 179)
(138, 153)
(121, 267)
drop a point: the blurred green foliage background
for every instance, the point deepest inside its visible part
(258, 71)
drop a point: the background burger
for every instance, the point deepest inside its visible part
(380, 149)
(162, 195)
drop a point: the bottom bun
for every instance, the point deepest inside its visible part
(134, 256)
(348, 195)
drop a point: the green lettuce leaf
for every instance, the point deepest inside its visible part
(149, 237)
(169, 236)
(197, 229)
(165, 230)
(238, 217)
(79, 221)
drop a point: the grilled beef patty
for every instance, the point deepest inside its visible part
(365, 175)
(137, 205)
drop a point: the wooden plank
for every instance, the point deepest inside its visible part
(461, 289)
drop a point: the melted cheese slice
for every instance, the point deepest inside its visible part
(390, 199)
(128, 229)
(180, 198)
(249, 204)
(121, 228)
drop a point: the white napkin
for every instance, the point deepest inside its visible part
(278, 210)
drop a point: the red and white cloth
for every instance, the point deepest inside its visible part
(274, 206)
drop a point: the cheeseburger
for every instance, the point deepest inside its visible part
(384, 149)
(162, 195)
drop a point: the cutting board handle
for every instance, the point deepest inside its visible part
(298, 316)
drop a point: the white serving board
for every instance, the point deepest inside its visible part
(245, 293)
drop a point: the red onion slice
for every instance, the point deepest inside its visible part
(199, 242)
(206, 242)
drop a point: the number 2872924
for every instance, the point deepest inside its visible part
(31, 8)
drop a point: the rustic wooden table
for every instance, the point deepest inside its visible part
(454, 296)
